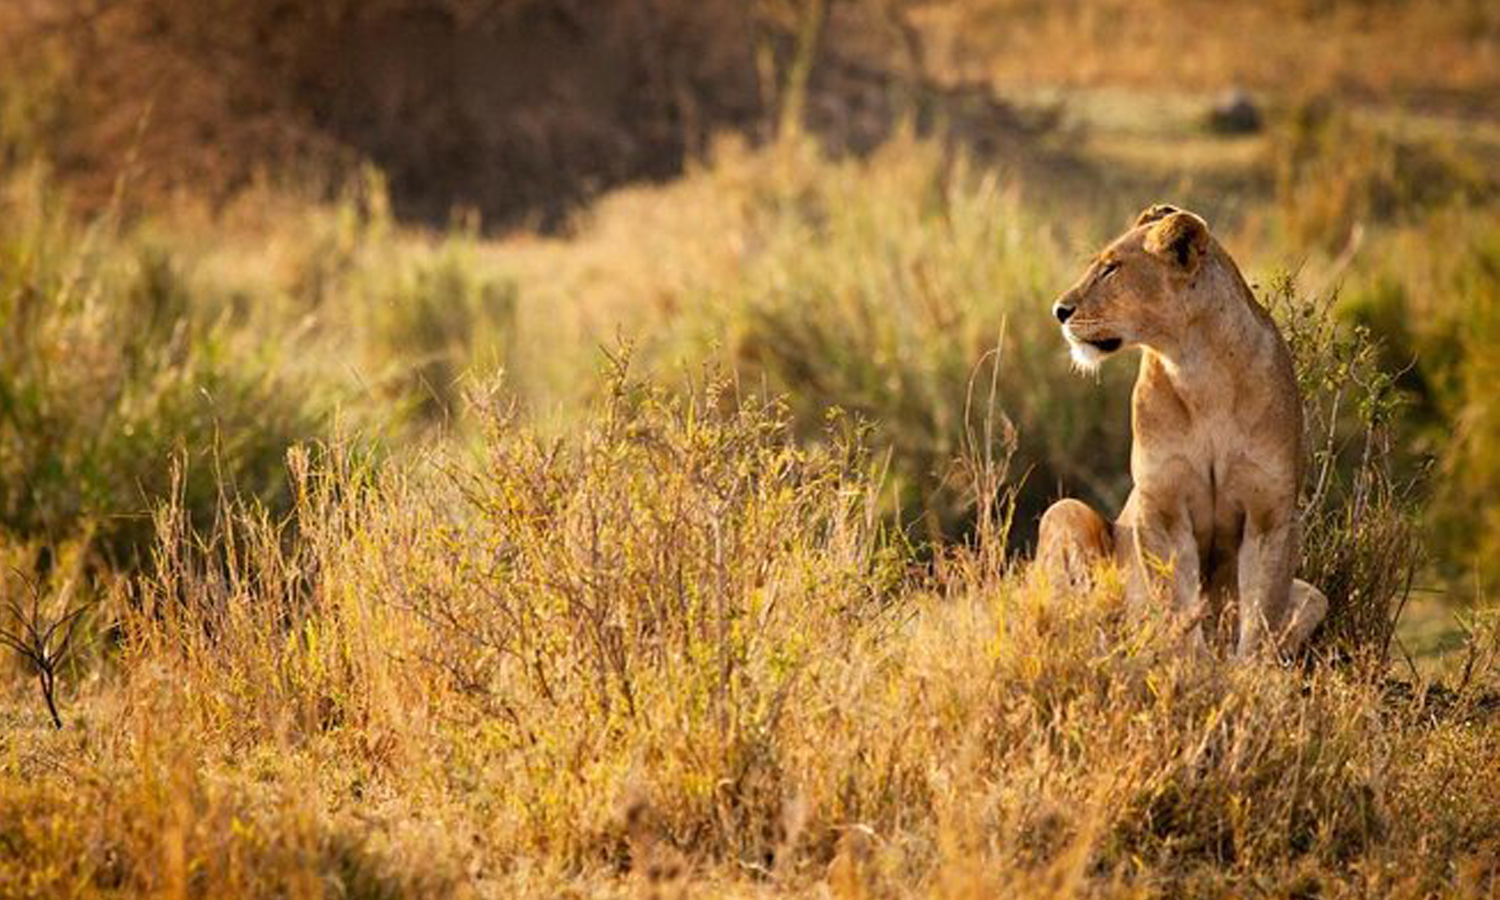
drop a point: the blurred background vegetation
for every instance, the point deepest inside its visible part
(228, 226)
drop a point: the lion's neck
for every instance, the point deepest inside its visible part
(1217, 349)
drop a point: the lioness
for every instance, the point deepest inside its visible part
(1216, 424)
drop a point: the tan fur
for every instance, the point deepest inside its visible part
(1216, 423)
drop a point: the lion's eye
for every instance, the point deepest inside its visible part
(1109, 269)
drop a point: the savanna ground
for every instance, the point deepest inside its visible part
(472, 449)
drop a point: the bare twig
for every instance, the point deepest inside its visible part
(41, 638)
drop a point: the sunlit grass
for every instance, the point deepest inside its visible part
(676, 646)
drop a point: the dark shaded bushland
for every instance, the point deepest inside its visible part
(521, 111)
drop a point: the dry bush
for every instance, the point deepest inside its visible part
(623, 584)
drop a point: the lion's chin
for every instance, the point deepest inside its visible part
(1086, 358)
(1088, 355)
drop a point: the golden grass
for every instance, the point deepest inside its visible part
(1395, 51)
(676, 652)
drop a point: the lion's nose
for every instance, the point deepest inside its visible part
(1062, 311)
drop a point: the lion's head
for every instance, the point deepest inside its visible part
(1135, 291)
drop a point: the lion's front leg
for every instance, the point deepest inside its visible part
(1265, 584)
(1161, 559)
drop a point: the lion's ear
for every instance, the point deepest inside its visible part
(1180, 238)
(1154, 212)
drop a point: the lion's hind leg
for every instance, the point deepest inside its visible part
(1073, 541)
(1308, 608)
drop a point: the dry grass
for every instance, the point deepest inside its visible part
(674, 650)
(1394, 51)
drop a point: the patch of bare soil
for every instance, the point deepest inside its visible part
(1437, 702)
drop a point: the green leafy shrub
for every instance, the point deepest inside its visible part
(114, 362)
(1433, 301)
(1360, 513)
